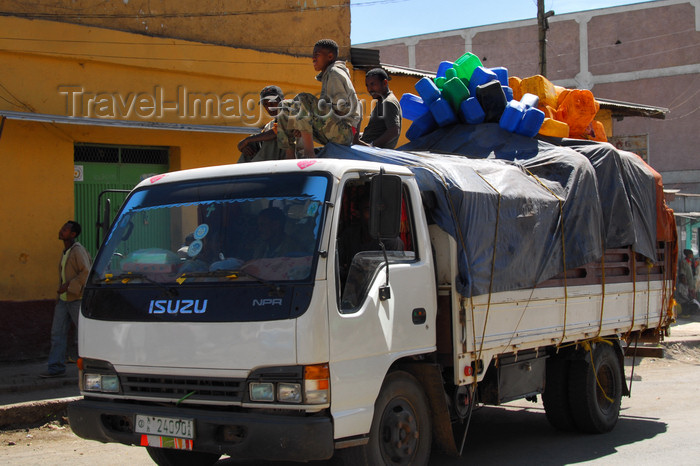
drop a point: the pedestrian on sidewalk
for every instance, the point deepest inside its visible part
(73, 269)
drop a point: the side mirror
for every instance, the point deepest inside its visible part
(385, 206)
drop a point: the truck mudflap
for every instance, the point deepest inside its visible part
(241, 435)
(430, 377)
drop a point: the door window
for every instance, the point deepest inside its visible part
(359, 256)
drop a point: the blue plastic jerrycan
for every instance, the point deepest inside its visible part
(442, 112)
(427, 90)
(413, 107)
(530, 100)
(531, 122)
(421, 126)
(512, 115)
(508, 92)
(471, 112)
(481, 76)
(442, 69)
(502, 74)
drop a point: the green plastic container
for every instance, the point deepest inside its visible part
(466, 64)
(455, 92)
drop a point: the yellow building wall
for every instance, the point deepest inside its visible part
(71, 70)
(87, 72)
(36, 185)
(286, 26)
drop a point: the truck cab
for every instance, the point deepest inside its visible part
(229, 306)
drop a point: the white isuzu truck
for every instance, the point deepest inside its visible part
(363, 302)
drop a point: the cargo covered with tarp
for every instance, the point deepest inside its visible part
(523, 208)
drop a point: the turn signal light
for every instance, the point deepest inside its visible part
(317, 384)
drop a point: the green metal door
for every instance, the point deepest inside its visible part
(102, 167)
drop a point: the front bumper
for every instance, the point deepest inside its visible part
(258, 436)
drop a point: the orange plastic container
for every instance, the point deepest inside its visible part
(514, 83)
(549, 112)
(559, 91)
(577, 110)
(541, 87)
(562, 96)
(554, 128)
(599, 131)
(595, 131)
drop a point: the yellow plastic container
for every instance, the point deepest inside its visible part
(514, 83)
(549, 112)
(541, 87)
(554, 128)
(578, 110)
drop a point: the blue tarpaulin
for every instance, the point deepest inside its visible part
(530, 208)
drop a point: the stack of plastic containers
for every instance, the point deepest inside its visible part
(467, 91)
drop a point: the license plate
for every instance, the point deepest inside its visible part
(164, 426)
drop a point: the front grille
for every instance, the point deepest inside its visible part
(193, 389)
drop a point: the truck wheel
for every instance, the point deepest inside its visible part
(556, 394)
(595, 404)
(401, 427)
(169, 457)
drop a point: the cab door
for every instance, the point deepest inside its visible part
(367, 334)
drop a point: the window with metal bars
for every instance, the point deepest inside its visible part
(103, 153)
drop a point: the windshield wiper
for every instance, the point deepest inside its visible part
(233, 274)
(126, 277)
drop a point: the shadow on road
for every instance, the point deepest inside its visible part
(507, 435)
(518, 435)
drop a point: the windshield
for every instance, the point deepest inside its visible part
(262, 228)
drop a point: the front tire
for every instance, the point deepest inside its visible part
(170, 457)
(401, 427)
(594, 397)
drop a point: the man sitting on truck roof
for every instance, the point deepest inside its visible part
(384, 125)
(263, 146)
(332, 117)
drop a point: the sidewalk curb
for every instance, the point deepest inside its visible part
(21, 415)
(27, 385)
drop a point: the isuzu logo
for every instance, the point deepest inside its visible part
(267, 302)
(177, 306)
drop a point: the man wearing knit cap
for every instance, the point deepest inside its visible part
(263, 146)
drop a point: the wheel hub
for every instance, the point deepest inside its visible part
(399, 439)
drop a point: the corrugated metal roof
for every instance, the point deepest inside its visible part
(404, 71)
(623, 109)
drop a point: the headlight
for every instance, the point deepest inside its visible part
(289, 392)
(108, 383)
(262, 391)
(290, 384)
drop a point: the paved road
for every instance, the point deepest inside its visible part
(659, 424)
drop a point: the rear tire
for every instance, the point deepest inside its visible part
(591, 410)
(169, 457)
(401, 427)
(556, 394)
